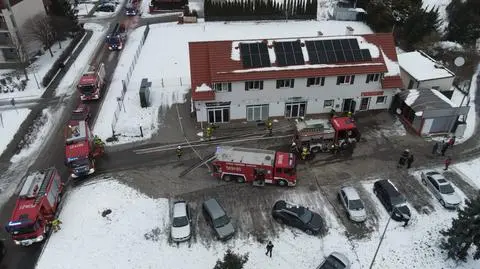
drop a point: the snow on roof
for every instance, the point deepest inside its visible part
(393, 67)
(299, 67)
(443, 97)
(412, 96)
(422, 67)
(203, 88)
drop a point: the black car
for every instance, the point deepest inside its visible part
(393, 201)
(297, 216)
(106, 7)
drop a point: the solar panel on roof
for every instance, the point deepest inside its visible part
(357, 55)
(348, 56)
(331, 57)
(366, 54)
(254, 55)
(289, 53)
(328, 45)
(345, 44)
(353, 44)
(340, 56)
(337, 45)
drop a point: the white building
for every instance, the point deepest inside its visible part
(420, 71)
(13, 16)
(250, 80)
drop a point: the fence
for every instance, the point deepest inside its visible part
(166, 82)
(125, 82)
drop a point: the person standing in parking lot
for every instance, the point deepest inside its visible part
(269, 248)
(409, 161)
(448, 161)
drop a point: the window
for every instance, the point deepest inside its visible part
(328, 103)
(222, 87)
(381, 99)
(318, 81)
(345, 79)
(295, 110)
(253, 85)
(218, 112)
(257, 112)
(372, 77)
(285, 83)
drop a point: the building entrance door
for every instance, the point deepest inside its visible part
(364, 103)
(295, 110)
(349, 105)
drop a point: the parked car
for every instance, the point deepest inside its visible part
(181, 229)
(218, 219)
(297, 216)
(335, 261)
(442, 189)
(393, 201)
(106, 7)
(81, 113)
(350, 199)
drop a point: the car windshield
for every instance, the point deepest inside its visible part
(355, 205)
(220, 222)
(333, 263)
(397, 199)
(79, 163)
(23, 229)
(180, 221)
(86, 88)
(446, 189)
(307, 216)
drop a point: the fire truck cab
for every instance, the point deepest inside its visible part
(258, 166)
(36, 206)
(92, 83)
(81, 150)
(321, 135)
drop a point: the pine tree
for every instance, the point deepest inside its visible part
(464, 233)
(463, 21)
(64, 19)
(231, 260)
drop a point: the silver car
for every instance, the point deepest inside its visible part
(181, 222)
(335, 260)
(351, 201)
(442, 189)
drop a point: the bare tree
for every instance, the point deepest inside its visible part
(39, 29)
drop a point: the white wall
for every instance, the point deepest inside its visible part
(444, 83)
(314, 95)
(406, 79)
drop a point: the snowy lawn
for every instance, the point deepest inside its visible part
(110, 14)
(84, 8)
(469, 171)
(10, 121)
(145, 10)
(37, 69)
(141, 224)
(68, 84)
(169, 71)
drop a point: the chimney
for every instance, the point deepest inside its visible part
(349, 31)
(319, 33)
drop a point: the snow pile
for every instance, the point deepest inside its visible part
(472, 114)
(449, 45)
(411, 97)
(10, 121)
(393, 67)
(458, 96)
(203, 88)
(469, 171)
(81, 64)
(325, 9)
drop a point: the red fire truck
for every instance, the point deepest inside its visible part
(92, 83)
(258, 166)
(36, 206)
(323, 135)
(81, 149)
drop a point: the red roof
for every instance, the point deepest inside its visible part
(210, 62)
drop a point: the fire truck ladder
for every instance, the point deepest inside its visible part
(198, 164)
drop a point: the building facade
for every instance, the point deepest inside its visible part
(252, 80)
(13, 16)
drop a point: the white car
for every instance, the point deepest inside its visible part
(442, 189)
(350, 199)
(335, 260)
(181, 222)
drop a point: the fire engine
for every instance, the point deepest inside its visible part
(323, 135)
(92, 83)
(116, 38)
(81, 149)
(36, 206)
(258, 166)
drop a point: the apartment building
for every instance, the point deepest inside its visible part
(251, 80)
(13, 16)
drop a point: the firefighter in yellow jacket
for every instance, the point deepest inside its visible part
(305, 153)
(269, 124)
(56, 225)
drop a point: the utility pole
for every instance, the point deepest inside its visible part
(381, 240)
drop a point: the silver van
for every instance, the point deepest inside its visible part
(218, 219)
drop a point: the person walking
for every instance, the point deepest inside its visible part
(179, 152)
(269, 124)
(403, 158)
(448, 161)
(444, 148)
(451, 141)
(269, 248)
(410, 161)
(435, 149)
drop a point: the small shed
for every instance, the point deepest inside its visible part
(427, 111)
(420, 71)
(349, 14)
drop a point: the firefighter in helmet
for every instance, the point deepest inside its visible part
(209, 131)
(305, 153)
(293, 147)
(179, 152)
(334, 148)
(56, 225)
(349, 114)
(269, 125)
(98, 141)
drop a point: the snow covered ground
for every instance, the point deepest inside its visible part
(469, 170)
(84, 8)
(37, 69)
(141, 223)
(441, 5)
(145, 10)
(169, 71)
(110, 14)
(10, 121)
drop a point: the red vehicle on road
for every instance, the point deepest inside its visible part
(81, 113)
(258, 166)
(92, 83)
(37, 205)
(81, 149)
